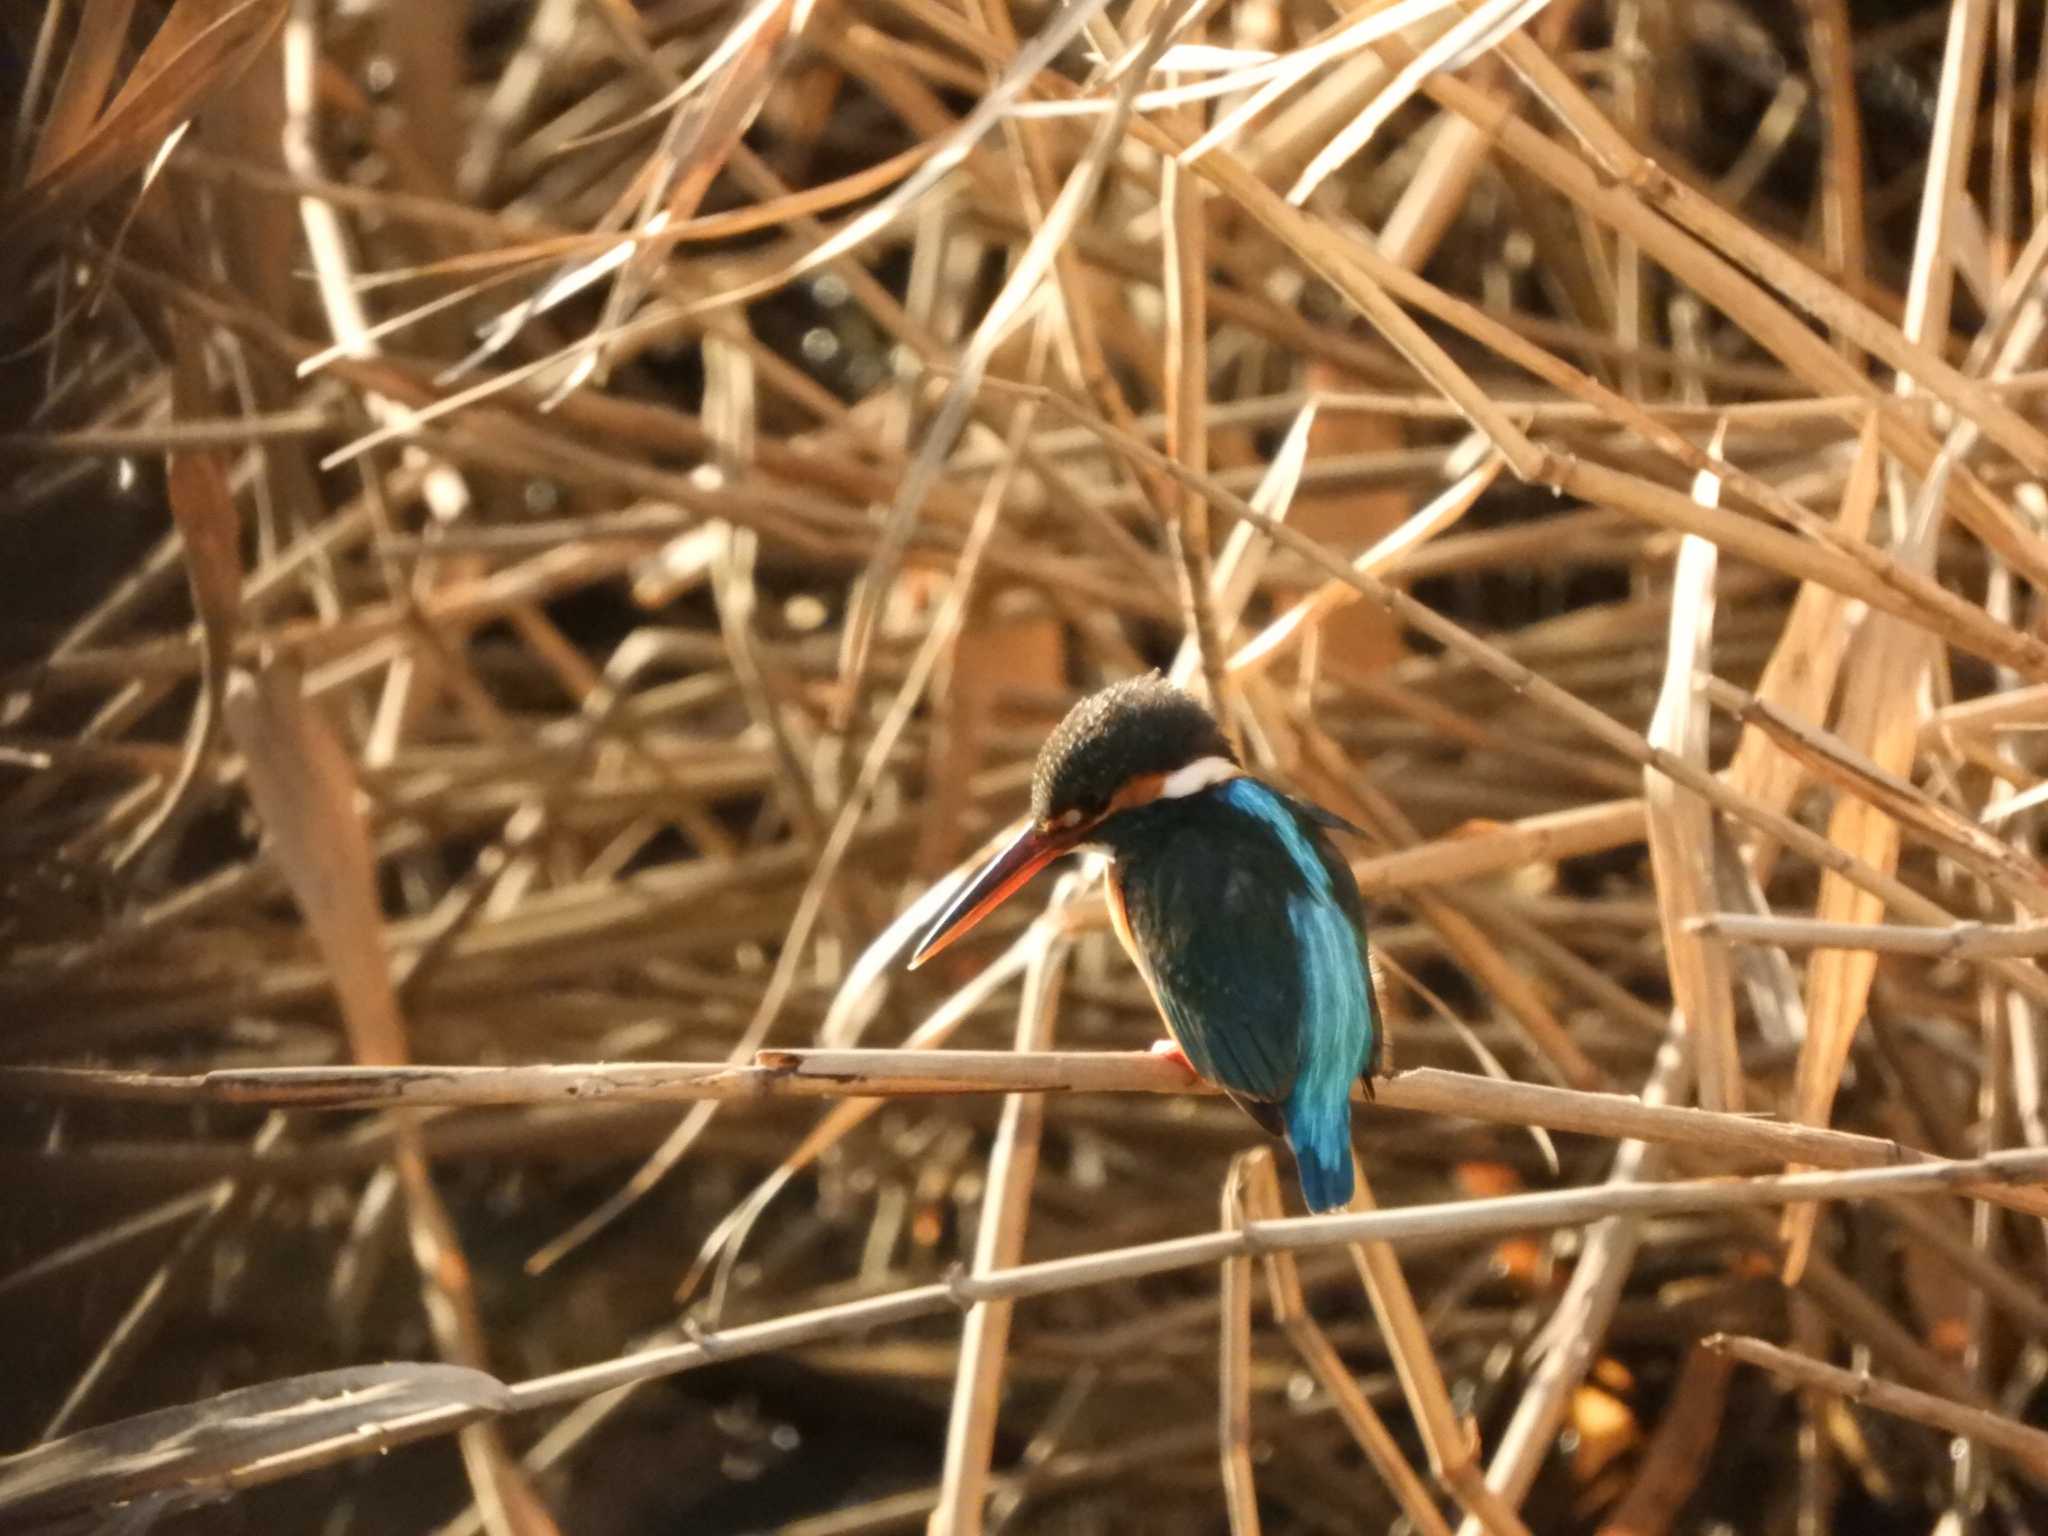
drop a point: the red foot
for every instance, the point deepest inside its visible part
(1174, 1053)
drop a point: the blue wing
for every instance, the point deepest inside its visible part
(1339, 1024)
(1250, 932)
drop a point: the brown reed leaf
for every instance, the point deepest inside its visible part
(1800, 677)
(1681, 828)
(303, 785)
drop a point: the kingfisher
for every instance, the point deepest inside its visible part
(1230, 899)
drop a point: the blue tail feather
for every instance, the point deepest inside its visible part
(1320, 1134)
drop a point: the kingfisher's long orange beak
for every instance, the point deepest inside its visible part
(1027, 853)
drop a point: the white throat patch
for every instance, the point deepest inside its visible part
(1197, 776)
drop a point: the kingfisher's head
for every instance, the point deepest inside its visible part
(1127, 746)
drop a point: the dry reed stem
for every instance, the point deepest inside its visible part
(1451, 1439)
(874, 1074)
(2010, 872)
(1260, 1194)
(2027, 1446)
(1807, 658)
(1234, 1365)
(1880, 710)
(1635, 176)
(999, 1244)
(1958, 941)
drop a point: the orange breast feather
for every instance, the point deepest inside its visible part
(1120, 920)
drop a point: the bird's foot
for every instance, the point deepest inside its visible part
(1172, 1052)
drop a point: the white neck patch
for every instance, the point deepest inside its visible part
(1197, 776)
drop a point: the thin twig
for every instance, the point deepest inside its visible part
(2027, 1446)
(1959, 941)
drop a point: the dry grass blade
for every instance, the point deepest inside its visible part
(303, 785)
(1005, 309)
(1879, 717)
(1477, 851)
(1183, 201)
(1693, 214)
(700, 137)
(2013, 874)
(1302, 619)
(1276, 77)
(81, 90)
(1470, 35)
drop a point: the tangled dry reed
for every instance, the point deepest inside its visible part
(542, 532)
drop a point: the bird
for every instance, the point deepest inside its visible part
(1232, 902)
